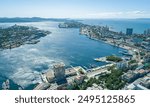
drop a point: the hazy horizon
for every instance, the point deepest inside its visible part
(78, 18)
(80, 9)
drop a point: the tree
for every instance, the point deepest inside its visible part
(113, 58)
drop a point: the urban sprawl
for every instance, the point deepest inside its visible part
(129, 72)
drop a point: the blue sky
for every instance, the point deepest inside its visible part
(75, 8)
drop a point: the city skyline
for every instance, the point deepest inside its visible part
(75, 8)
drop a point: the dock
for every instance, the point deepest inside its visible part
(103, 59)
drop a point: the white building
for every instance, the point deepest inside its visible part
(122, 65)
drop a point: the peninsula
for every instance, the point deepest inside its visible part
(15, 36)
(131, 71)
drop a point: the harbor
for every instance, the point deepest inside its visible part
(70, 75)
(90, 54)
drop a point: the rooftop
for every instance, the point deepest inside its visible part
(57, 65)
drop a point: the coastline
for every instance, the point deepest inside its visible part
(15, 36)
(107, 42)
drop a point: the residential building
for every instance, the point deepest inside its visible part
(135, 87)
(130, 76)
(122, 65)
(129, 31)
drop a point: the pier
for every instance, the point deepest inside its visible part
(103, 59)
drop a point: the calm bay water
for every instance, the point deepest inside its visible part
(23, 65)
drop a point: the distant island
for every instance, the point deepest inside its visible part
(16, 36)
(33, 19)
